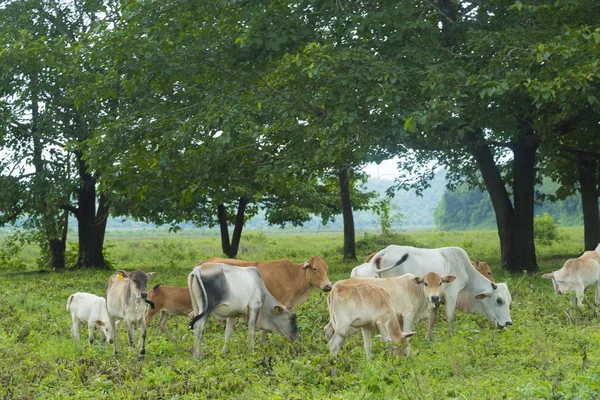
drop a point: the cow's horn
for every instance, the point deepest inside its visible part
(494, 286)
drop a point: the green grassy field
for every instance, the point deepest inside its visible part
(545, 354)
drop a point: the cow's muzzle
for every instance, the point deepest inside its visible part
(327, 287)
(435, 299)
(144, 295)
(500, 326)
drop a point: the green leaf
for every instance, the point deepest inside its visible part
(410, 125)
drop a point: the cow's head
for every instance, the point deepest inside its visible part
(316, 273)
(281, 320)
(104, 328)
(495, 303)
(561, 285)
(432, 285)
(137, 281)
(483, 268)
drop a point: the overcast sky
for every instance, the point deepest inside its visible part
(385, 170)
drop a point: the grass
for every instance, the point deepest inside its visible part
(545, 354)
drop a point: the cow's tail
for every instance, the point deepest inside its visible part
(379, 259)
(69, 301)
(196, 285)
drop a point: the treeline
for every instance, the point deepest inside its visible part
(472, 209)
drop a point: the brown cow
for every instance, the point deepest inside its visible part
(169, 301)
(289, 283)
(483, 268)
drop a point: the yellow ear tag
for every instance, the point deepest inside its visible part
(120, 277)
(277, 310)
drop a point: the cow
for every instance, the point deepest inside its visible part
(483, 268)
(227, 292)
(362, 306)
(288, 282)
(366, 269)
(169, 301)
(576, 275)
(89, 309)
(471, 292)
(126, 299)
(413, 297)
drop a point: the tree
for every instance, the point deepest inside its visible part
(44, 66)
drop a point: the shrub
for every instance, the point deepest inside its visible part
(545, 230)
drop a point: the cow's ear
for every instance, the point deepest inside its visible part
(150, 275)
(408, 334)
(122, 274)
(99, 323)
(548, 276)
(306, 265)
(481, 296)
(277, 309)
(418, 280)
(448, 278)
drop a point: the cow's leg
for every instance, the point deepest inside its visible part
(162, 323)
(450, 311)
(263, 339)
(91, 327)
(142, 324)
(579, 294)
(252, 318)
(366, 332)
(198, 330)
(113, 332)
(329, 330)
(433, 317)
(597, 298)
(228, 333)
(75, 329)
(129, 328)
(408, 326)
(336, 342)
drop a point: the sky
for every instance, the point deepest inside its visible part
(386, 170)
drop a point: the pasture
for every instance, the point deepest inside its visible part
(546, 353)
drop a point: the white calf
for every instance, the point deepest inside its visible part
(91, 310)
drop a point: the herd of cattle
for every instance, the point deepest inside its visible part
(392, 290)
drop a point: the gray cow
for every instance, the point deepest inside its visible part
(126, 299)
(228, 292)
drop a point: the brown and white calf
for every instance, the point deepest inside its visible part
(91, 310)
(576, 275)
(366, 307)
(483, 268)
(126, 297)
(169, 301)
(413, 297)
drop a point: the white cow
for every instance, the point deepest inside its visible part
(578, 274)
(126, 299)
(471, 292)
(362, 306)
(89, 309)
(229, 292)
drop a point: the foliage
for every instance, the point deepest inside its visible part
(545, 229)
(465, 209)
(383, 209)
(545, 354)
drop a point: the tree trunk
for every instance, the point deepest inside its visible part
(91, 222)
(231, 248)
(57, 254)
(222, 216)
(500, 202)
(524, 189)
(349, 234)
(589, 200)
